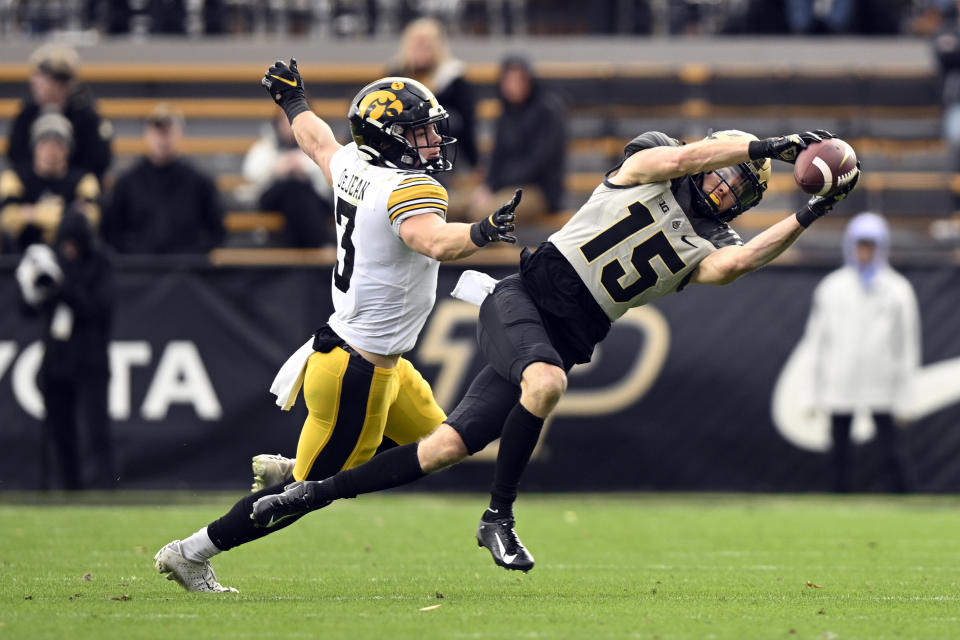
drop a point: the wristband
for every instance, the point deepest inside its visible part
(756, 149)
(476, 235)
(806, 216)
(294, 107)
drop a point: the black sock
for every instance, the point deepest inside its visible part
(521, 430)
(236, 527)
(388, 469)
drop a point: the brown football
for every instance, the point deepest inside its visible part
(824, 165)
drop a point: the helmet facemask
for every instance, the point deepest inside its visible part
(741, 182)
(423, 147)
(398, 123)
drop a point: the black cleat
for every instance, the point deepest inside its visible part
(504, 545)
(297, 499)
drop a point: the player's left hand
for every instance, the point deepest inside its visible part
(498, 226)
(819, 206)
(283, 82)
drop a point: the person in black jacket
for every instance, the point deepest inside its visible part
(163, 204)
(519, 158)
(75, 297)
(54, 87)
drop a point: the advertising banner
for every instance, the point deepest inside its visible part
(708, 389)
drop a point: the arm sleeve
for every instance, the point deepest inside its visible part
(415, 195)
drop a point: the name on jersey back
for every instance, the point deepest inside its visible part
(352, 185)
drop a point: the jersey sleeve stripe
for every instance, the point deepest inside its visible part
(426, 205)
(417, 179)
(403, 195)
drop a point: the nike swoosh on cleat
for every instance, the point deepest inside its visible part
(507, 558)
(292, 83)
(683, 238)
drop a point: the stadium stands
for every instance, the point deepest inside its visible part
(890, 114)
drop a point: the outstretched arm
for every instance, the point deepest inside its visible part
(729, 263)
(665, 163)
(657, 164)
(314, 136)
(432, 236)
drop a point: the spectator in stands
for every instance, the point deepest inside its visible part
(286, 180)
(865, 330)
(529, 146)
(425, 56)
(54, 87)
(931, 16)
(815, 16)
(163, 204)
(72, 288)
(34, 196)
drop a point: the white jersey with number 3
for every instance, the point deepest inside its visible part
(382, 289)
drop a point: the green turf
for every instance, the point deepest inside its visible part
(649, 566)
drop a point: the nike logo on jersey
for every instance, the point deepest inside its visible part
(507, 557)
(683, 238)
(292, 83)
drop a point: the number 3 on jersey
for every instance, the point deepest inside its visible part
(656, 245)
(346, 214)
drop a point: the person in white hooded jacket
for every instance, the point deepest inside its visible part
(865, 328)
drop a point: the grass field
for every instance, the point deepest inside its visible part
(621, 566)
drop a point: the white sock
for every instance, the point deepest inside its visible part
(198, 547)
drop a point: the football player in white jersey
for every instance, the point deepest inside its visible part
(392, 233)
(656, 223)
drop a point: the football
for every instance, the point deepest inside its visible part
(823, 165)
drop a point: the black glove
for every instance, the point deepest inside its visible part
(285, 86)
(498, 225)
(786, 148)
(819, 206)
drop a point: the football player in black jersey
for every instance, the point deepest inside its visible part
(657, 223)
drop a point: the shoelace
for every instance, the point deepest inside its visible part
(513, 542)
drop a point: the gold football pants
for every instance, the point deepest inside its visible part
(352, 405)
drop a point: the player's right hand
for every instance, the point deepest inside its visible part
(283, 83)
(498, 226)
(786, 148)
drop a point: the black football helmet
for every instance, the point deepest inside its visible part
(397, 122)
(746, 181)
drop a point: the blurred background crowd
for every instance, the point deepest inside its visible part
(122, 139)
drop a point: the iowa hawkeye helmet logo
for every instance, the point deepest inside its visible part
(378, 103)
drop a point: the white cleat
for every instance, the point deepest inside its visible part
(271, 469)
(192, 576)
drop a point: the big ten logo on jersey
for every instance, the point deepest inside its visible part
(622, 370)
(663, 204)
(179, 377)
